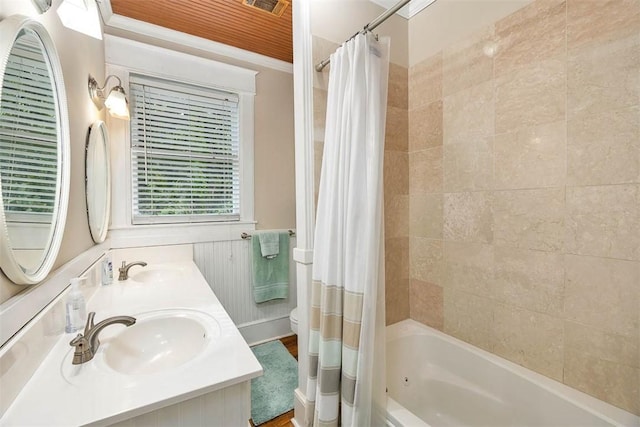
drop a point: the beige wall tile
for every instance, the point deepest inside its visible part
(321, 49)
(604, 77)
(529, 219)
(533, 280)
(468, 217)
(396, 215)
(603, 364)
(469, 267)
(396, 279)
(468, 62)
(534, 33)
(426, 259)
(531, 96)
(469, 166)
(425, 82)
(397, 129)
(425, 215)
(603, 221)
(593, 22)
(531, 157)
(319, 113)
(396, 258)
(425, 126)
(531, 339)
(396, 172)
(603, 294)
(612, 382)
(590, 342)
(426, 303)
(469, 114)
(396, 299)
(604, 148)
(425, 171)
(398, 92)
(468, 317)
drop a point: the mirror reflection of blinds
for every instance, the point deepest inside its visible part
(184, 153)
(28, 134)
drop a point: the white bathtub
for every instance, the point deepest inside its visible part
(436, 380)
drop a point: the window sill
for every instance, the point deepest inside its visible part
(177, 234)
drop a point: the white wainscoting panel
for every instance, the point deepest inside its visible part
(230, 406)
(226, 266)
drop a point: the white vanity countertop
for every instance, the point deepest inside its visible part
(60, 393)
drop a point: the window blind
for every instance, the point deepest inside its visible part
(28, 135)
(184, 153)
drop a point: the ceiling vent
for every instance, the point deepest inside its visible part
(274, 7)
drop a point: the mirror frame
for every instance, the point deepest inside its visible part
(98, 138)
(9, 30)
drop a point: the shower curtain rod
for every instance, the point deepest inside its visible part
(369, 27)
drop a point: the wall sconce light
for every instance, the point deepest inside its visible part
(116, 102)
(41, 5)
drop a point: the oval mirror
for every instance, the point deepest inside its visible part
(98, 181)
(34, 151)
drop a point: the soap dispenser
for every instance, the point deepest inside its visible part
(76, 308)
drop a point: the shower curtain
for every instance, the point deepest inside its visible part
(346, 340)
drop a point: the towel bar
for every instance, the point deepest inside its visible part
(248, 236)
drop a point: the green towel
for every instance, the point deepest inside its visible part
(270, 276)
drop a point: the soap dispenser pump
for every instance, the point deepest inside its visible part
(76, 308)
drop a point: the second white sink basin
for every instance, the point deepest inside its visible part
(160, 341)
(156, 274)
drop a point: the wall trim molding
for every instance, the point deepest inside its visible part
(305, 189)
(119, 22)
(303, 409)
(262, 331)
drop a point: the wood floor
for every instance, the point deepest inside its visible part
(284, 420)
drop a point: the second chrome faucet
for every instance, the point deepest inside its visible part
(124, 270)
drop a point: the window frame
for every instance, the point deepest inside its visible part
(179, 87)
(125, 57)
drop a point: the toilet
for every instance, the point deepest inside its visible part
(293, 318)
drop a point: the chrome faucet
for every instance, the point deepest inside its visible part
(86, 345)
(124, 270)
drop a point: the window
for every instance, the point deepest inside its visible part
(184, 152)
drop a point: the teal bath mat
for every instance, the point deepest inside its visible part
(272, 393)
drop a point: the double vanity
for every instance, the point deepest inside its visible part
(182, 361)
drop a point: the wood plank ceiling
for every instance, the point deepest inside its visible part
(225, 21)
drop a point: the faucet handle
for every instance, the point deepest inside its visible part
(89, 324)
(79, 340)
(82, 352)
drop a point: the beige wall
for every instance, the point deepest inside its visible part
(337, 20)
(273, 141)
(524, 188)
(80, 56)
(446, 21)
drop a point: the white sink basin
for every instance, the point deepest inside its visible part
(156, 274)
(160, 341)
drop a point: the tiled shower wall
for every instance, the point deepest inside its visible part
(396, 175)
(524, 194)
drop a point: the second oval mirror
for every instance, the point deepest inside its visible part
(98, 181)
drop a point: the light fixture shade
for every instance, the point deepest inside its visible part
(117, 103)
(81, 16)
